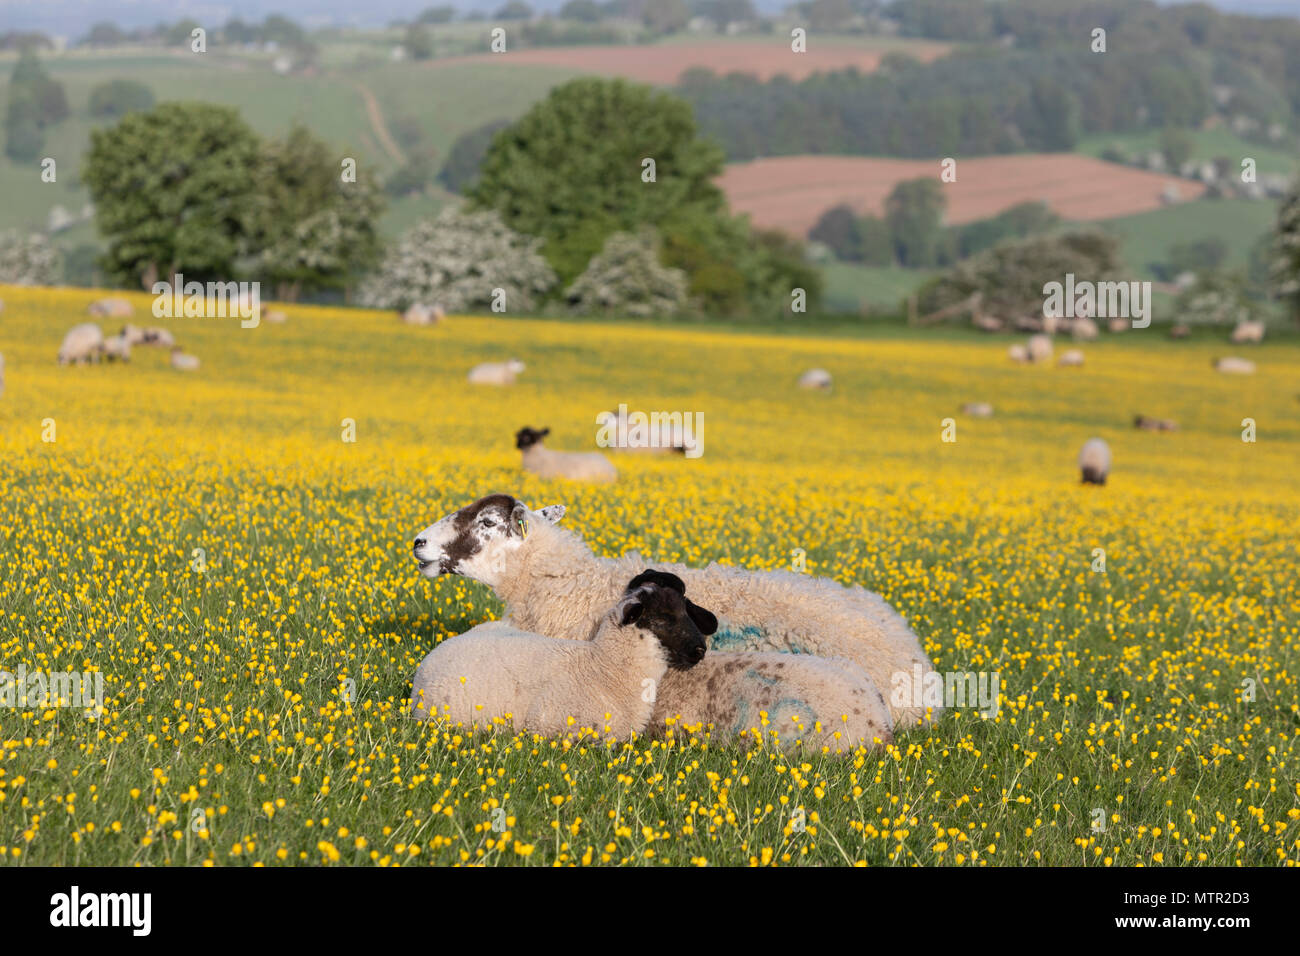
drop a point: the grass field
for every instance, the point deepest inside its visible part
(1207, 144)
(1146, 238)
(226, 739)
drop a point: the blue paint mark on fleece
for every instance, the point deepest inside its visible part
(739, 637)
(734, 637)
(755, 675)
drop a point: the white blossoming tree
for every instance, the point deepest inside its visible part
(1285, 261)
(29, 260)
(456, 261)
(626, 278)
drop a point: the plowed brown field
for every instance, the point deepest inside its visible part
(791, 192)
(664, 63)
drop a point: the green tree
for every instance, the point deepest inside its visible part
(837, 229)
(514, 10)
(439, 14)
(585, 11)
(116, 98)
(175, 190)
(466, 156)
(314, 230)
(1285, 258)
(1176, 145)
(571, 169)
(914, 211)
(876, 244)
(418, 42)
(23, 136)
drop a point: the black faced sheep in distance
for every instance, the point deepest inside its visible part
(573, 465)
(496, 674)
(1094, 461)
(551, 583)
(496, 373)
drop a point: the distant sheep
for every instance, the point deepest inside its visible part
(977, 409)
(574, 465)
(275, 317)
(1084, 329)
(1094, 461)
(656, 436)
(83, 343)
(132, 334)
(1071, 358)
(112, 308)
(116, 348)
(496, 673)
(496, 373)
(161, 337)
(182, 361)
(1018, 353)
(1119, 325)
(1232, 365)
(1039, 347)
(1248, 331)
(1180, 330)
(816, 378)
(1154, 424)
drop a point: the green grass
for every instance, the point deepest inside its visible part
(881, 288)
(1146, 237)
(1208, 144)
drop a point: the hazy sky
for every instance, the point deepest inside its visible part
(72, 17)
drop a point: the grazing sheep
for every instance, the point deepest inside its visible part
(1232, 365)
(574, 465)
(496, 373)
(112, 308)
(155, 335)
(275, 317)
(83, 343)
(1180, 330)
(1071, 358)
(551, 583)
(1154, 424)
(551, 686)
(1084, 329)
(1039, 347)
(655, 436)
(1094, 461)
(1248, 331)
(817, 378)
(1018, 353)
(987, 323)
(977, 409)
(183, 362)
(1119, 325)
(116, 348)
(133, 334)
(420, 314)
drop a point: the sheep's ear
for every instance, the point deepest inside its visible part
(519, 517)
(552, 513)
(706, 621)
(629, 611)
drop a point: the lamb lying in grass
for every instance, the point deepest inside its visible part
(822, 702)
(495, 673)
(552, 584)
(574, 465)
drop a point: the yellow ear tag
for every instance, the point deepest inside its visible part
(523, 528)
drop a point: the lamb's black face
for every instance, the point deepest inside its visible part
(528, 437)
(663, 612)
